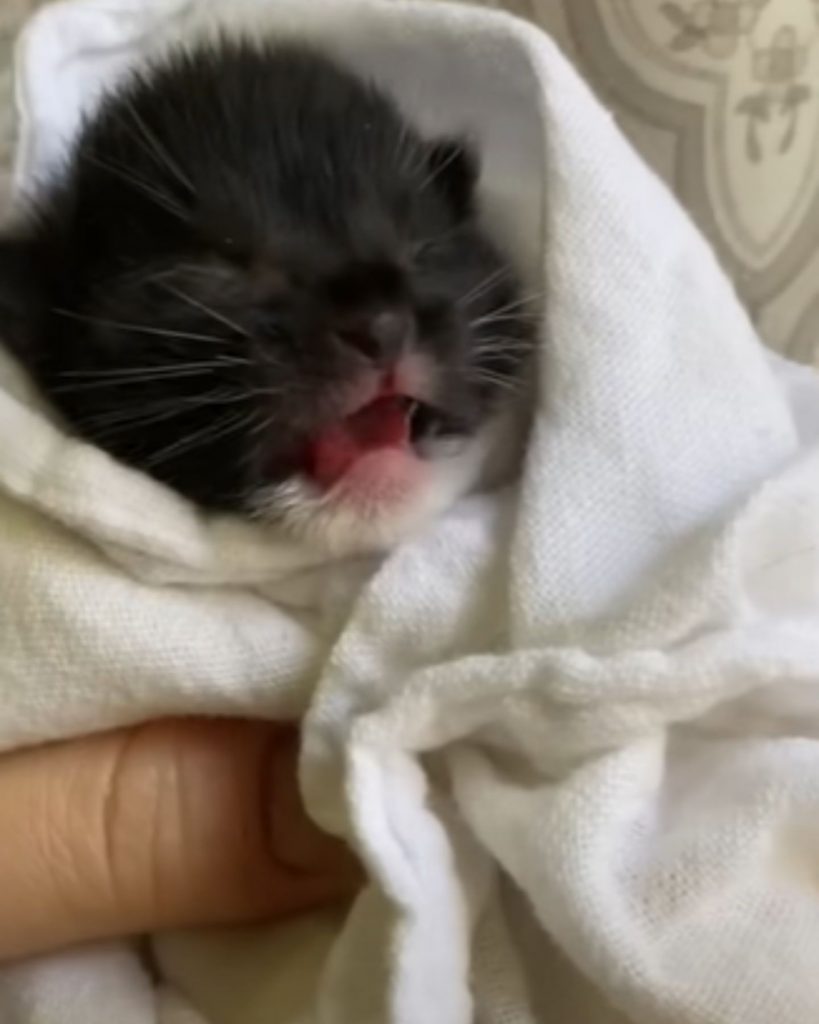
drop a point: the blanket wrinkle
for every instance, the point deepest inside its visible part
(573, 729)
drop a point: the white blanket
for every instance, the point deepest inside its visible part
(574, 729)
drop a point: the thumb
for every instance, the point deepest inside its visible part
(171, 824)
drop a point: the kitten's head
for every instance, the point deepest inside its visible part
(257, 283)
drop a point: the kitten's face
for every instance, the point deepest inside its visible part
(260, 286)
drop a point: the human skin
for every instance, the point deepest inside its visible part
(170, 824)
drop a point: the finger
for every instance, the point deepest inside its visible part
(171, 824)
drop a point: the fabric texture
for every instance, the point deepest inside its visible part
(573, 729)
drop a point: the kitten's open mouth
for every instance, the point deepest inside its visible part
(391, 422)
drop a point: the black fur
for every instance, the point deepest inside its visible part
(196, 290)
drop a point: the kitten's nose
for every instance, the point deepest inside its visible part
(381, 335)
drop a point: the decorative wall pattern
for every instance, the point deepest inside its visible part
(722, 98)
(12, 14)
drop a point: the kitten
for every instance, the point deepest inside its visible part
(255, 281)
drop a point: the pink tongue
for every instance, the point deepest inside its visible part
(383, 423)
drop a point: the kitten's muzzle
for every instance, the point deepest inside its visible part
(381, 335)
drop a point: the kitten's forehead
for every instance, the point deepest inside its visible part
(257, 228)
(267, 241)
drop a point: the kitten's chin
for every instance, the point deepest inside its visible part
(387, 497)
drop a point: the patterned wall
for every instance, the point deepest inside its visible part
(12, 13)
(721, 97)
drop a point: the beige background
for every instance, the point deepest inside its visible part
(720, 96)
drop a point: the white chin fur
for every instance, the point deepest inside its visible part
(343, 527)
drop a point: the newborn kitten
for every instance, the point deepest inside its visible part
(255, 281)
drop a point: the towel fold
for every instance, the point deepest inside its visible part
(573, 729)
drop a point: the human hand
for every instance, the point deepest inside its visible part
(171, 824)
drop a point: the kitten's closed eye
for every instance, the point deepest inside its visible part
(236, 289)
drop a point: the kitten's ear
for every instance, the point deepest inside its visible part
(455, 167)
(20, 297)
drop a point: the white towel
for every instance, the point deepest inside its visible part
(573, 730)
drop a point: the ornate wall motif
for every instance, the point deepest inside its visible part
(722, 98)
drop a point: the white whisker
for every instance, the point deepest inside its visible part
(419, 246)
(118, 325)
(212, 313)
(109, 431)
(481, 375)
(491, 319)
(500, 344)
(160, 409)
(209, 433)
(158, 369)
(510, 311)
(484, 285)
(159, 197)
(437, 171)
(94, 380)
(160, 152)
